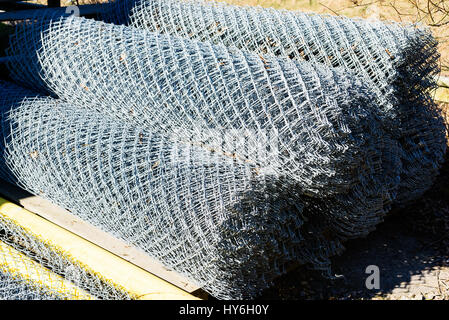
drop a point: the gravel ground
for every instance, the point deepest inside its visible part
(413, 265)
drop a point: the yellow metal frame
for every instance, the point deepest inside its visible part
(137, 282)
(22, 268)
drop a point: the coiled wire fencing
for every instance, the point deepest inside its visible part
(225, 162)
(311, 127)
(197, 211)
(395, 60)
(207, 88)
(208, 216)
(398, 62)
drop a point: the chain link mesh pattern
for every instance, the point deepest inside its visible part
(22, 278)
(12, 288)
(197, 211)
(48, 255)
(202, 86)
(397, 61)
(209, 216)
(32, 269)
(224, 164)
(384, 55)
(272, 103)
(36, 282)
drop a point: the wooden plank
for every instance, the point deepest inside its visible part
(84, 10)
(139, 283)
(70, 222)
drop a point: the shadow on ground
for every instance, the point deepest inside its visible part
(411, 249)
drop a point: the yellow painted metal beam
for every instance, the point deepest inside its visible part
(137, 282)
(22, 268)
(66, 220)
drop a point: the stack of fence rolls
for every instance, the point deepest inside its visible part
(226, 142)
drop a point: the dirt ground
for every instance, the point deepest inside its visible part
(412, 264)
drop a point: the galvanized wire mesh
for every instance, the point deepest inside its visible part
(16, 286)
(199, 212)
(49, 256)
(32, 268)
(40, 285)
(380, 53)
(313, 127)
(397, 61)
(272, 102)
(224, 164)
(216, 219)
(22, 278)
(423, 141)
(12, 288)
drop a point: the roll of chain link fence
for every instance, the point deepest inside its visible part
(310, 126)
(226, 152)
(398, 62)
